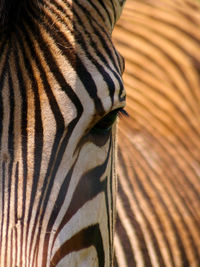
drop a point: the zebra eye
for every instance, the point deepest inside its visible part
(106, 123)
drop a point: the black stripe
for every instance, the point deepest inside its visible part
(178, 45)
(87, 237)
(183, 257)
(2, 80)
(171, 197)
(24, 136)
(136, 226)
(99, 31)
(73, 59)
(180, 140)
(111, 208)
(170, 58)
(104, 8)
(16, 190)
(149, 227)
(58, 204)
(38, 139)
(125, 242)
(165, 147)
(115, 263)
(73, 97)
(75, 100)
(88, 187)
(80, 37)
(3, 181)
(172, 223)
(11, 153)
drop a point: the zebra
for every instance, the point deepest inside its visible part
(158, 202)
(61, 92)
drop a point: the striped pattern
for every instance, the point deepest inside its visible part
(59, 75)
(159, 145)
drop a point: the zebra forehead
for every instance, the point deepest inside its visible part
(12, 10)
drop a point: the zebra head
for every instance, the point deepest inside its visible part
(60, 93)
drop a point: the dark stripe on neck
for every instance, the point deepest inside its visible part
(86, 238)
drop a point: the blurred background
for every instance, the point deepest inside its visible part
(158, 222)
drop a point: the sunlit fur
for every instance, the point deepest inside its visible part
(59, 75)
(159, 144)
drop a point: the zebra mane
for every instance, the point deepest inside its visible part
(11, 10)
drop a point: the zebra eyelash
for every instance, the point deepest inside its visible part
(121, 113)
(105, 124)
